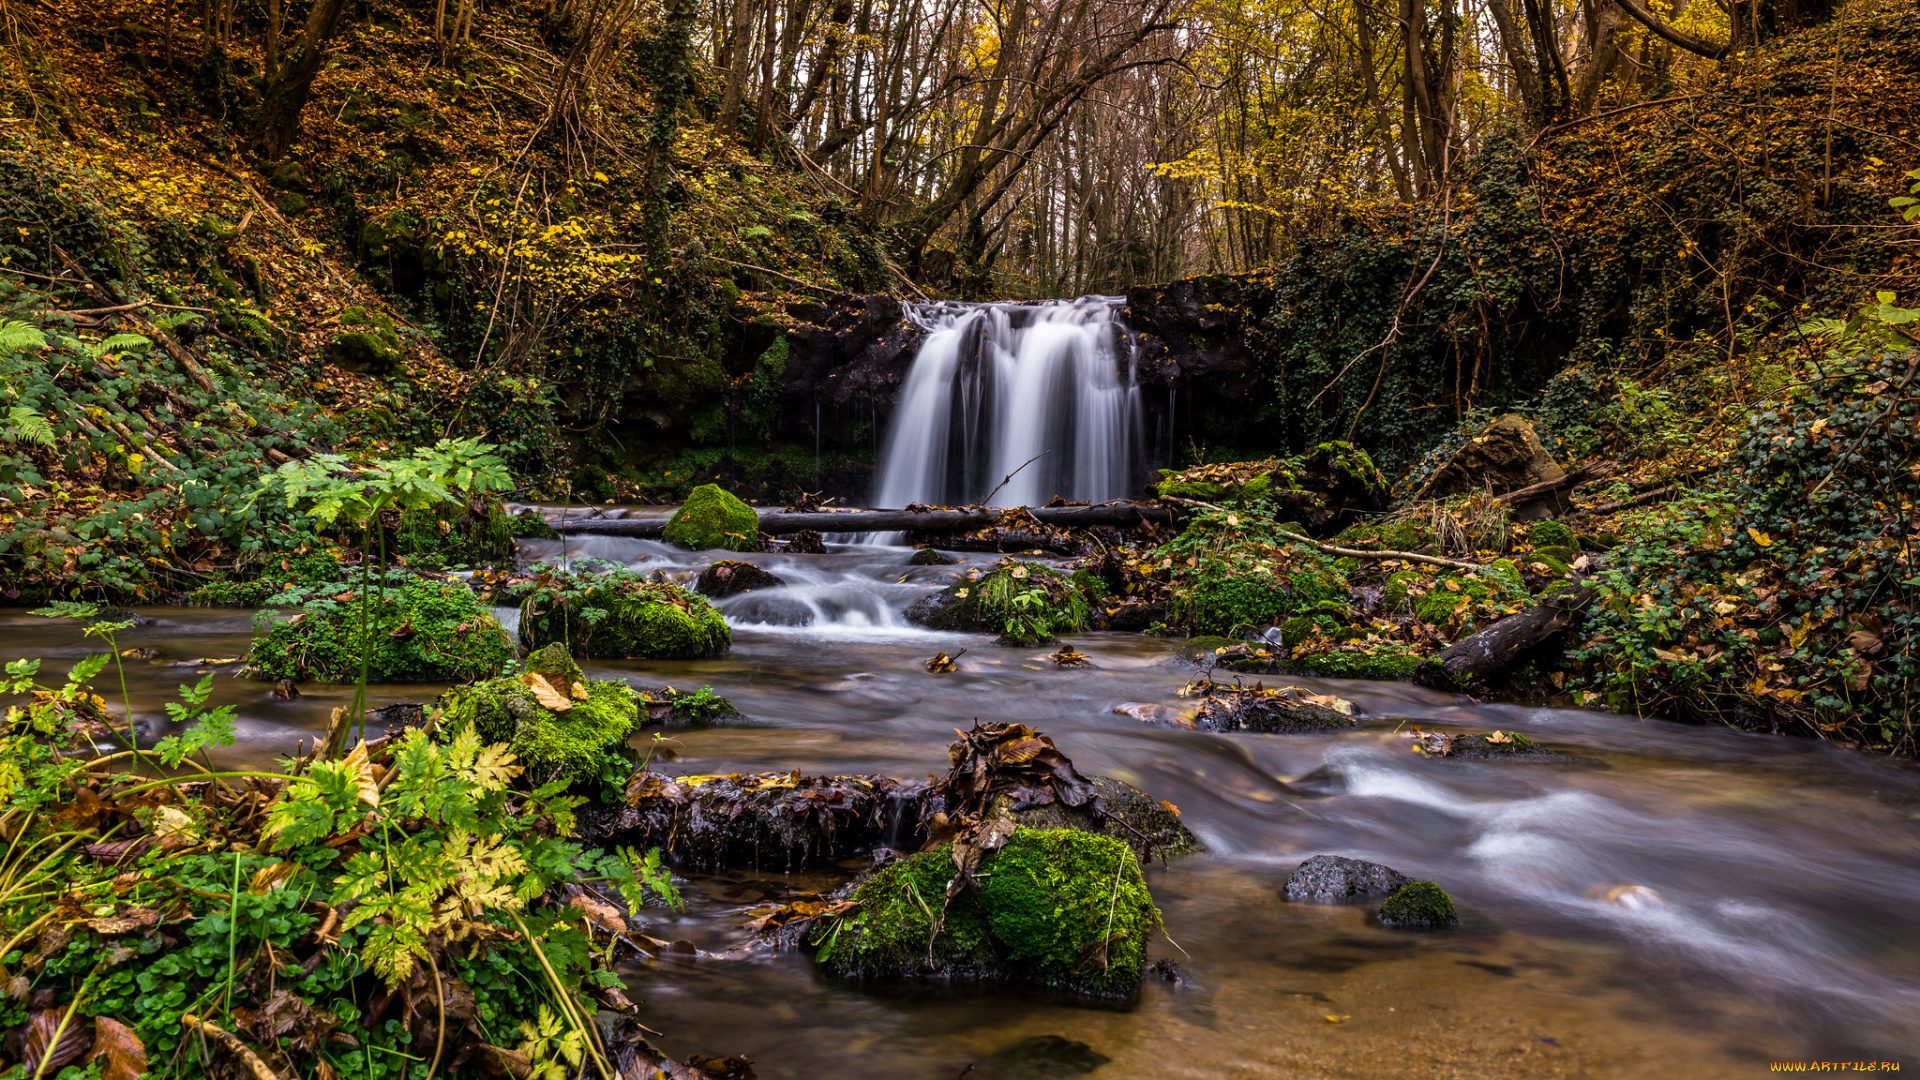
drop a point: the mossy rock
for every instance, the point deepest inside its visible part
(584, 741)
(529, 524)
(1381, 663)
(622, 614)
(1025, 603)
(1126, 814)
(1201, 648)
(421, 631)
(1269, 714)
(1232, 604)
(927, 556)
(713, 520)
(1550, 533)
(367, 343)
(1419, 905)
(1455, 594)
(453, 534)
(1059, 909)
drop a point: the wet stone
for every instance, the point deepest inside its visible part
(729, 577)
(1333, 879)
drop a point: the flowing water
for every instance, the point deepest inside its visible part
(1787, 873)
(996, 387)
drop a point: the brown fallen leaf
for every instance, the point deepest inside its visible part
(135, 918)
(362, 770)
(121, 1054)
(40, 1045)
(545, 692)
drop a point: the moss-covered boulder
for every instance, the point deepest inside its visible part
(367, 343)
(455, 534)
(1284, 711)
(713, 520)
(729, 577)
(417, 630)
(1024, 603)
(621, 614)
(559, 724)
(1549, 533)
(928, 556)
(1419, 905)
(1059, 909)
(1379, 661)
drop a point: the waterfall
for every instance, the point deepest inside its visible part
(997, 384)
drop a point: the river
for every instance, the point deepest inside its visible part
(1777, 915)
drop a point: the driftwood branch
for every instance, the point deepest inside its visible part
(782, 523)
(1500, 645)
(1535, 492)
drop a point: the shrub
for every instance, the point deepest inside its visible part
(453, 534)
(1229, 572)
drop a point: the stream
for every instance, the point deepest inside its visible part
(1777, 915)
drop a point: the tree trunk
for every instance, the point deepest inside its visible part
(780, 523)
(1479, 657)
(286, 89)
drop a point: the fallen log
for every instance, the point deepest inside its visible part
(1480, 656)
(783, 523)
(1548, 488)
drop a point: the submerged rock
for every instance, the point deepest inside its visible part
(728, 577)
(806, 542)
(1043, 1057)
(1496, 745)
(1285, 711)
(1334, 879)
(622, 614)
(559, 725)
(1419, 905)
(712, 519)
(1059, 909)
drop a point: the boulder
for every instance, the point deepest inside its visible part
(1334, 879)
(1284, 711)
(728, 577)
(927, 556)
(713, 520)
(1059, 909)
(1507, 456)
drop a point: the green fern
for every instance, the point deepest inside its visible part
(20, 337)
(122, 343)
(26, 425)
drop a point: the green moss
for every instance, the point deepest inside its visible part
(367, 343)
(1390, 535)
(455, 535)
(1218, 493)
(1442, 604)
(1025, 603)
(528, 524)
(444, 634)
(584, 741)
(1550, 533)
(712, 519)
(1091, 585)
(1047, 903)
(1236, 603)
(1384, 663)
(1419, 905)
(622, 614)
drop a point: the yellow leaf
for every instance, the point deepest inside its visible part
(276, 876)
(545, 692)
(1799, 635)
(362, 770)
(1760, 538)
(1499, 738)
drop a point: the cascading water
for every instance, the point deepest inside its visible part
(997, 385)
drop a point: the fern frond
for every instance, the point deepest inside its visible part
(124, 343)
(20, 337)
(26, 425)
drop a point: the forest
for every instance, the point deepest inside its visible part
(1021, 539)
